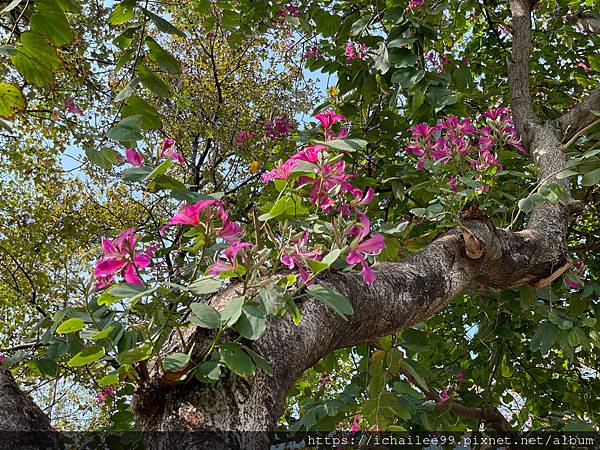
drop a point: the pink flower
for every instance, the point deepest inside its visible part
(230, 253)
(73, 108)
(309, 154)
(295, 256)
(330, 178)
(328, 118)
(2, 358)
(242, 137)
(190, 214)
(133, 157)
(350, 52)
(102, 395)
(278, 127)
(312, 52)
(230, 231)
(118, 255)
(325, 379)
(444, 396)
(423, 130)
(361, 248)
(168, 151)
(585, 67)
(412, 4)
(460, 377)
(281, 172)
(453, 183)
(572, 282)
(497, 113)
(288, 10)
(355, 424)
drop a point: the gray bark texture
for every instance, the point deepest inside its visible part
(241, 413)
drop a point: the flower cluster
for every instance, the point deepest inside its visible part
(243, 136)
(168, 151)
(465, 141)
(278, 127)
(412, 4)
(288, 10)
(73, 108)
(312, 52)
(355, 51)
(102, 395)
(119, 257)
(324, 175)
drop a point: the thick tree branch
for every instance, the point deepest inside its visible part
(518, 65)
(22, 422)
(580, 116)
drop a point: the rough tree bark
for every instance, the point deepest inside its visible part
(405, 293)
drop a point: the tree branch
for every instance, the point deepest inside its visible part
(580, 116)
(518, 65)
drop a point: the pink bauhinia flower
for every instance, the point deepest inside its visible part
(330, 178)
(355, 424)
(243, 136)
(190, 214)
(328, 118)
(119, 256)
(168, 151)
(453, 183)
(295, 257)
(412, 4)
(102, 395)
(585, 67)
(312, 52)
(281, 172)
(230, 231)
(73, 108)
(230, 253)
(133, 157)
(361, 248)
(350, 52)
(444, 396)
(2, 358)
(309, 154)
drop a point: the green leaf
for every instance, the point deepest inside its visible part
(591, 178)
(331, 298)
(525, 205)
(104, 158)
(163, 58)
(360, 25)
(208, 371)
(259, 361)
(176, 362)
(70, 326)
(51, 22)
(151, 119)
(103, 334)
(348, 145)
(11, 101)
(36, 60)
(87, 356)
(577, 337)
(127, 290)
(391, 228)
(108, 380)
(232, 312)
(163, 25)
(204, 286)
(123, 12)
(236, 359)
(140, 353)
(544, 337)
(205, 316)
(251, 323)
(46, 366)
(127, 90)
(136, 173)
(159, 170)
(7, 50)
(595, 62)
(152, 81)
(407, 78)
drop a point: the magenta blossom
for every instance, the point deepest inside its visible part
(133, 157)
(328, 118)
(295, 256)
(453, 183)
(330, 179)
(278, 127)
(361, 248)
(309, 154)
(585, 67)
(73, 108)
(412, 4)
(2, 358)
(118, 255)
(355, 424)
(572, 282)
(102, 395)
(168, 151)
(312, 52)
(444, 396)
(281, 172)
(243, 136)
(190, 215)
(231, 264)
(231, 231)
(325, 379)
